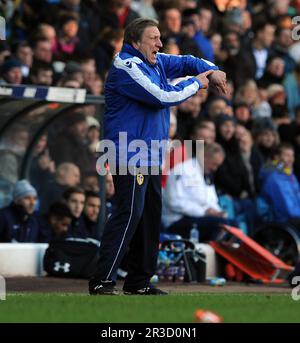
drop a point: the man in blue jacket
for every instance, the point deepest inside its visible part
(138, 97)
(280, 186)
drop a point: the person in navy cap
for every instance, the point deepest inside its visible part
(18, 221)
(11, 72)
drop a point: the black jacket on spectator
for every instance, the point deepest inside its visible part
(16, 225)
(256, 161)
(103, 55)
(91, 228)
(52, 192)
(266, 153)
(268, 79)
(79, 229)
(48, 232)
(232, 176)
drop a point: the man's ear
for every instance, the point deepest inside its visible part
(136, 45)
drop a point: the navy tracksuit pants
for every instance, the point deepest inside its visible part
(135, 223)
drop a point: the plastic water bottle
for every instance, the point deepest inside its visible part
(172, 272)
(181, 271)
(194, 234)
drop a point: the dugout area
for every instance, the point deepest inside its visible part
(26, 114)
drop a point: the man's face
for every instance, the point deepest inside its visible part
(28, 203)
(76, 204)
(24, 54)
(60, 225)
(14, 76)
(92, 208)
(287, 156)
(227, 129)
(173, 20)
(285, 38)
(80, 129)
(267, 35)
(276, 67)
(44, 78)
(204, 133)
(43, 51)
(91, 183)
(267, 138)
(73, 177)
(212, 163)
(217, 107)
(242, 113)
(149, 44)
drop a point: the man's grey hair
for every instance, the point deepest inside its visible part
(134, 30)
(210, 150)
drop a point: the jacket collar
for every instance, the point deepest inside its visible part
(128, 48)
(20, 212)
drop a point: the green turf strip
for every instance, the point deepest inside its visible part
(180, 308)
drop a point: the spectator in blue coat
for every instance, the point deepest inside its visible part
(281, 188)
(18, 222)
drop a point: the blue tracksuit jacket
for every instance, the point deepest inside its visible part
(138, 96)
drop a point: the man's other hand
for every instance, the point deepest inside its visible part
(218, 79)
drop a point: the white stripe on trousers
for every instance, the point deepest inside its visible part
(131, 211)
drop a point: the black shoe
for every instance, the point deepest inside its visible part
(103, 289)
(150, 290)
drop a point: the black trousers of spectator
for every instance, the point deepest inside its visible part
(135, 223)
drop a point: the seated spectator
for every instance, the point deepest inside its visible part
(202, 131)
(91, 182)
(11, 72)
(251, 156)
(217, 106)
(4, 52)
(75, 199)
(188, 111)
(12, 149)
(70, 145)
(107, 46)
(91, 214)
(18, 223)
(66, 41)
(274, 72)
(175, 152)
(232, 176)
(189, 198)
(243, 115)
(41, 74)
(72, 72)
(117, 14)
(281, 188)
(48, 32)
(57, 221)
(266, 137)
(249, 94)
(42, 50)
(42, 166)
(23, 52)
(66, 175)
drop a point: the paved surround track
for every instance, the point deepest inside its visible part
(58, 285)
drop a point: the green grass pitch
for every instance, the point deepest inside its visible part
(175, 308)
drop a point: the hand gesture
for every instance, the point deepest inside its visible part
(203, 78)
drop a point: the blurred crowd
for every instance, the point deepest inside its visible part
(252, 133)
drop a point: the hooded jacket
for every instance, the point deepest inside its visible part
(138, 96)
